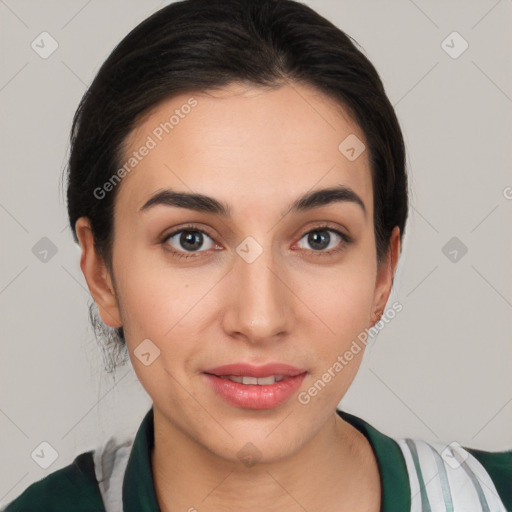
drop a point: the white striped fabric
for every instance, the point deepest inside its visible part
(447, 478)
(110, 463)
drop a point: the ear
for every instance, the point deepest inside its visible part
(96, 274)
(385, 273)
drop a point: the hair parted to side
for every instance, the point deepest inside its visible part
(197, 45)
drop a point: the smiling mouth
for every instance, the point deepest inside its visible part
(249, 386)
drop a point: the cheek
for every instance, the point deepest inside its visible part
(151, 299)
(158, 306)
(344, 310)
(343, 300)
(168, 305)
(342, 295)
(342, 305)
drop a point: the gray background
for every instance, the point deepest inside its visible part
(439, 371)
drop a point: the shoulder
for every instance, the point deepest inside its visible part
(458, 478)
(73, 487)
(499, 467)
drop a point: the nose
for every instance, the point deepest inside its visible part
(259, 301)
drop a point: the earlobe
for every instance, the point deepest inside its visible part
(97, 275)
(385, 273)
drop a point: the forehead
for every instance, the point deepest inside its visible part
(244, 144)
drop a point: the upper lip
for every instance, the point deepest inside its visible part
(249, 370)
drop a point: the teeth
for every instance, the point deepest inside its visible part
(260, 381)
(234, 379)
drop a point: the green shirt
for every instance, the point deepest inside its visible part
(415, 476)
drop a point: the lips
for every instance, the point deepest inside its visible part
(255, 387)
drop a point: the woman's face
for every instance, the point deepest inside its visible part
(258, 286)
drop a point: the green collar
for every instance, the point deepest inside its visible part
(139, 494)
(138, 491)
(394, 479)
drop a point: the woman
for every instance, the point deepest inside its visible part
(237, 185)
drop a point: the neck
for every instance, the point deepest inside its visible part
(335, 470)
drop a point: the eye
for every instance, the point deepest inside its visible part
(325, 240)
(187, 241)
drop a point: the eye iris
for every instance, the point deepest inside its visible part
(319, 239)
(191, 237)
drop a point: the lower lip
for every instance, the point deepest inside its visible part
(254, 396)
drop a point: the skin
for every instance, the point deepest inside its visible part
(256, 149)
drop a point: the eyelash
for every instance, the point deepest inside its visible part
(346, 240)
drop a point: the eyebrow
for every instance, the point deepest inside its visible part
(206, 204)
